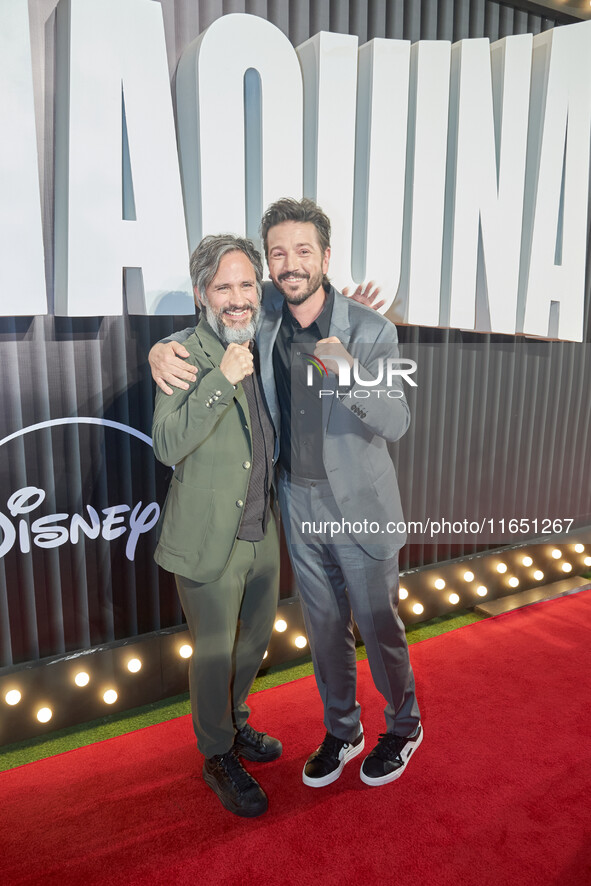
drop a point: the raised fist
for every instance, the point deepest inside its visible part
(237, 363)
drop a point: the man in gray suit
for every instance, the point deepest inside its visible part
(335, 470)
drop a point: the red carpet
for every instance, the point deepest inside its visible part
(499, 792)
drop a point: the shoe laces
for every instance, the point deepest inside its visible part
(389, 746)
(235, 770)
(252, 735)
(331, 747)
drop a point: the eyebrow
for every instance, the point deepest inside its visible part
(304, 243)
(227, 283)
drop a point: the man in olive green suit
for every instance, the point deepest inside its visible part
(217, 532)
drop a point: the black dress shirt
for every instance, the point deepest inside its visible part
(300, 404)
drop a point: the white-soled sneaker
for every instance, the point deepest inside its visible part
(328, 761)
(389, 758)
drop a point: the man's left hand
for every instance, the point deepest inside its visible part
(366, 294)
(332, 346)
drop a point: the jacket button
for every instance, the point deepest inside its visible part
(246, 465)
(218, 393)
(239, 503)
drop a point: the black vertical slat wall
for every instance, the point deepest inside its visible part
(508, 424)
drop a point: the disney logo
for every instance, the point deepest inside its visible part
(48, 531)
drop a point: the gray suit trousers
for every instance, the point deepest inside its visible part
(338, 582)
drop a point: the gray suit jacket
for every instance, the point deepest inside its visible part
(357, 429)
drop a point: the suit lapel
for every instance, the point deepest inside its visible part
(271, 315)
(340, 327)
(214, 351)
(339, 322)
(210, 343)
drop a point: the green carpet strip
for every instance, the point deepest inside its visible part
(78, 736)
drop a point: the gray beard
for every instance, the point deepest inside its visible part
(230, 335)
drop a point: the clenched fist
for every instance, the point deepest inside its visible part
(237, 363)
(332, 347)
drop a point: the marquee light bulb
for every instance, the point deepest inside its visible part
(566, 567)
(134, 665)
(556, 554)
(453, 598)
(418, 608)
(587, 561)
(266, 655)
(468, 576)
(481, 591)
(439, 584)
(538, 575)
(501, 567)
(514, 582)
(82, 679)
(110, 696)
(280, 625)
(300, 642)
(186, 651)
(527, 561)
(44, 715)
(579, 548)
(402, 593)
(12, 697)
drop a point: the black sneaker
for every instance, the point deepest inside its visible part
(257, 746)
(326, 763)
(390, 756)
(238, 791)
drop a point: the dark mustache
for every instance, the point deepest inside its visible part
(297, 274)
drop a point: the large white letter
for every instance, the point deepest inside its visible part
(239, 106)
(118, 193)
(425, 198)
(22, 267)
(358, 179)
(380, 163)
(557, 184)
(329, 67)
(486, 207)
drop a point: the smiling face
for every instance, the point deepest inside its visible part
(296, 261)
(232, 303)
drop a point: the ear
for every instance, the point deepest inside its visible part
(198, 300)
(325, 260)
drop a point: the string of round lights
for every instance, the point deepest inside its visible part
(427, 592)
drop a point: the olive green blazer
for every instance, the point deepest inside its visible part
(205, 432)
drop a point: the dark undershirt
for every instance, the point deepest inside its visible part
(301, 407)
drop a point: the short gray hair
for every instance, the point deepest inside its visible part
(206, 259)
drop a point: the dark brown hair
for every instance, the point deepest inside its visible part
(304, 210)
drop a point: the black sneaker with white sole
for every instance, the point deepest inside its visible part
(389, 758)
(327, 762)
